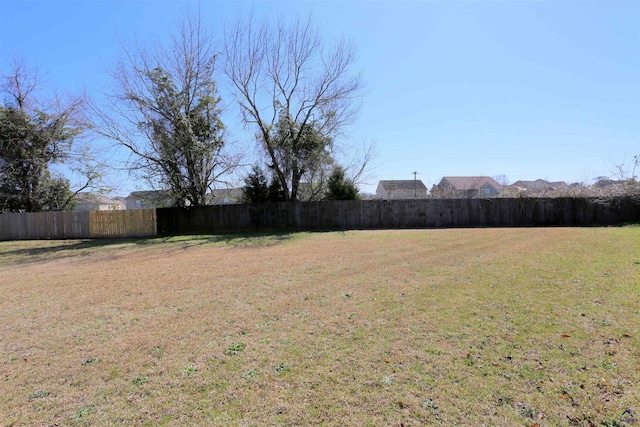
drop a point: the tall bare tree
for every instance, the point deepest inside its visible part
(165, 109)
(297, 92)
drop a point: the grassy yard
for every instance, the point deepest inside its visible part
(503, 327)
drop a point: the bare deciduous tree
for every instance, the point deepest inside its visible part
(297, 92)
(501, 179)
(165, 109)
(626, 170)
(357, 169)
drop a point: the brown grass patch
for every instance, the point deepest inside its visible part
(415, 327)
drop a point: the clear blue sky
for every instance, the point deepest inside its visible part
(537, 89)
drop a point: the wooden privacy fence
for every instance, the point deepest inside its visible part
(78, 225)
(328, 215)
(419, 213)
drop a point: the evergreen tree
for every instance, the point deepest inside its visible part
(31, 139)
(339, 187)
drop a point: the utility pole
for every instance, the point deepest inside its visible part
(415, 185)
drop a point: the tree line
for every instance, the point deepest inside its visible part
(294, 91)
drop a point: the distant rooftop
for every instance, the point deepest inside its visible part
(471, 182)
(408, 184)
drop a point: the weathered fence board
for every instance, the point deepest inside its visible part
(78, 225)
(423, 213)
(44, 225)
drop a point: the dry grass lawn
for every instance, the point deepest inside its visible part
(503, 327)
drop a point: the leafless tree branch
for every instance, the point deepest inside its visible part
(283, 73)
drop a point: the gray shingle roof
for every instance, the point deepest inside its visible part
(471, 182)
(538, 184)
(408, 184)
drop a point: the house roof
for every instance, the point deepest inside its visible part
(95, 198)
(604, 183)
(471, 182)
(218, 195)
(90, 197)
(538, 184)
(407, 184)
(227, 192)
(147, 194)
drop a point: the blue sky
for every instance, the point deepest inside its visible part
(537, 89)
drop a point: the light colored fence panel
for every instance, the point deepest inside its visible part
(124, 223)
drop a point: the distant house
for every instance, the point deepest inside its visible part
(401, 189)
(121, 199)
(226, 196)
(606, 183)
(537, 187)
(161, 199)
(96, 202)
(148, 199)
(467, 186)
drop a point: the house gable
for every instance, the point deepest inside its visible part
(147, 199)
(96, 202)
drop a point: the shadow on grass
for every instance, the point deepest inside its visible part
(19, 252)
